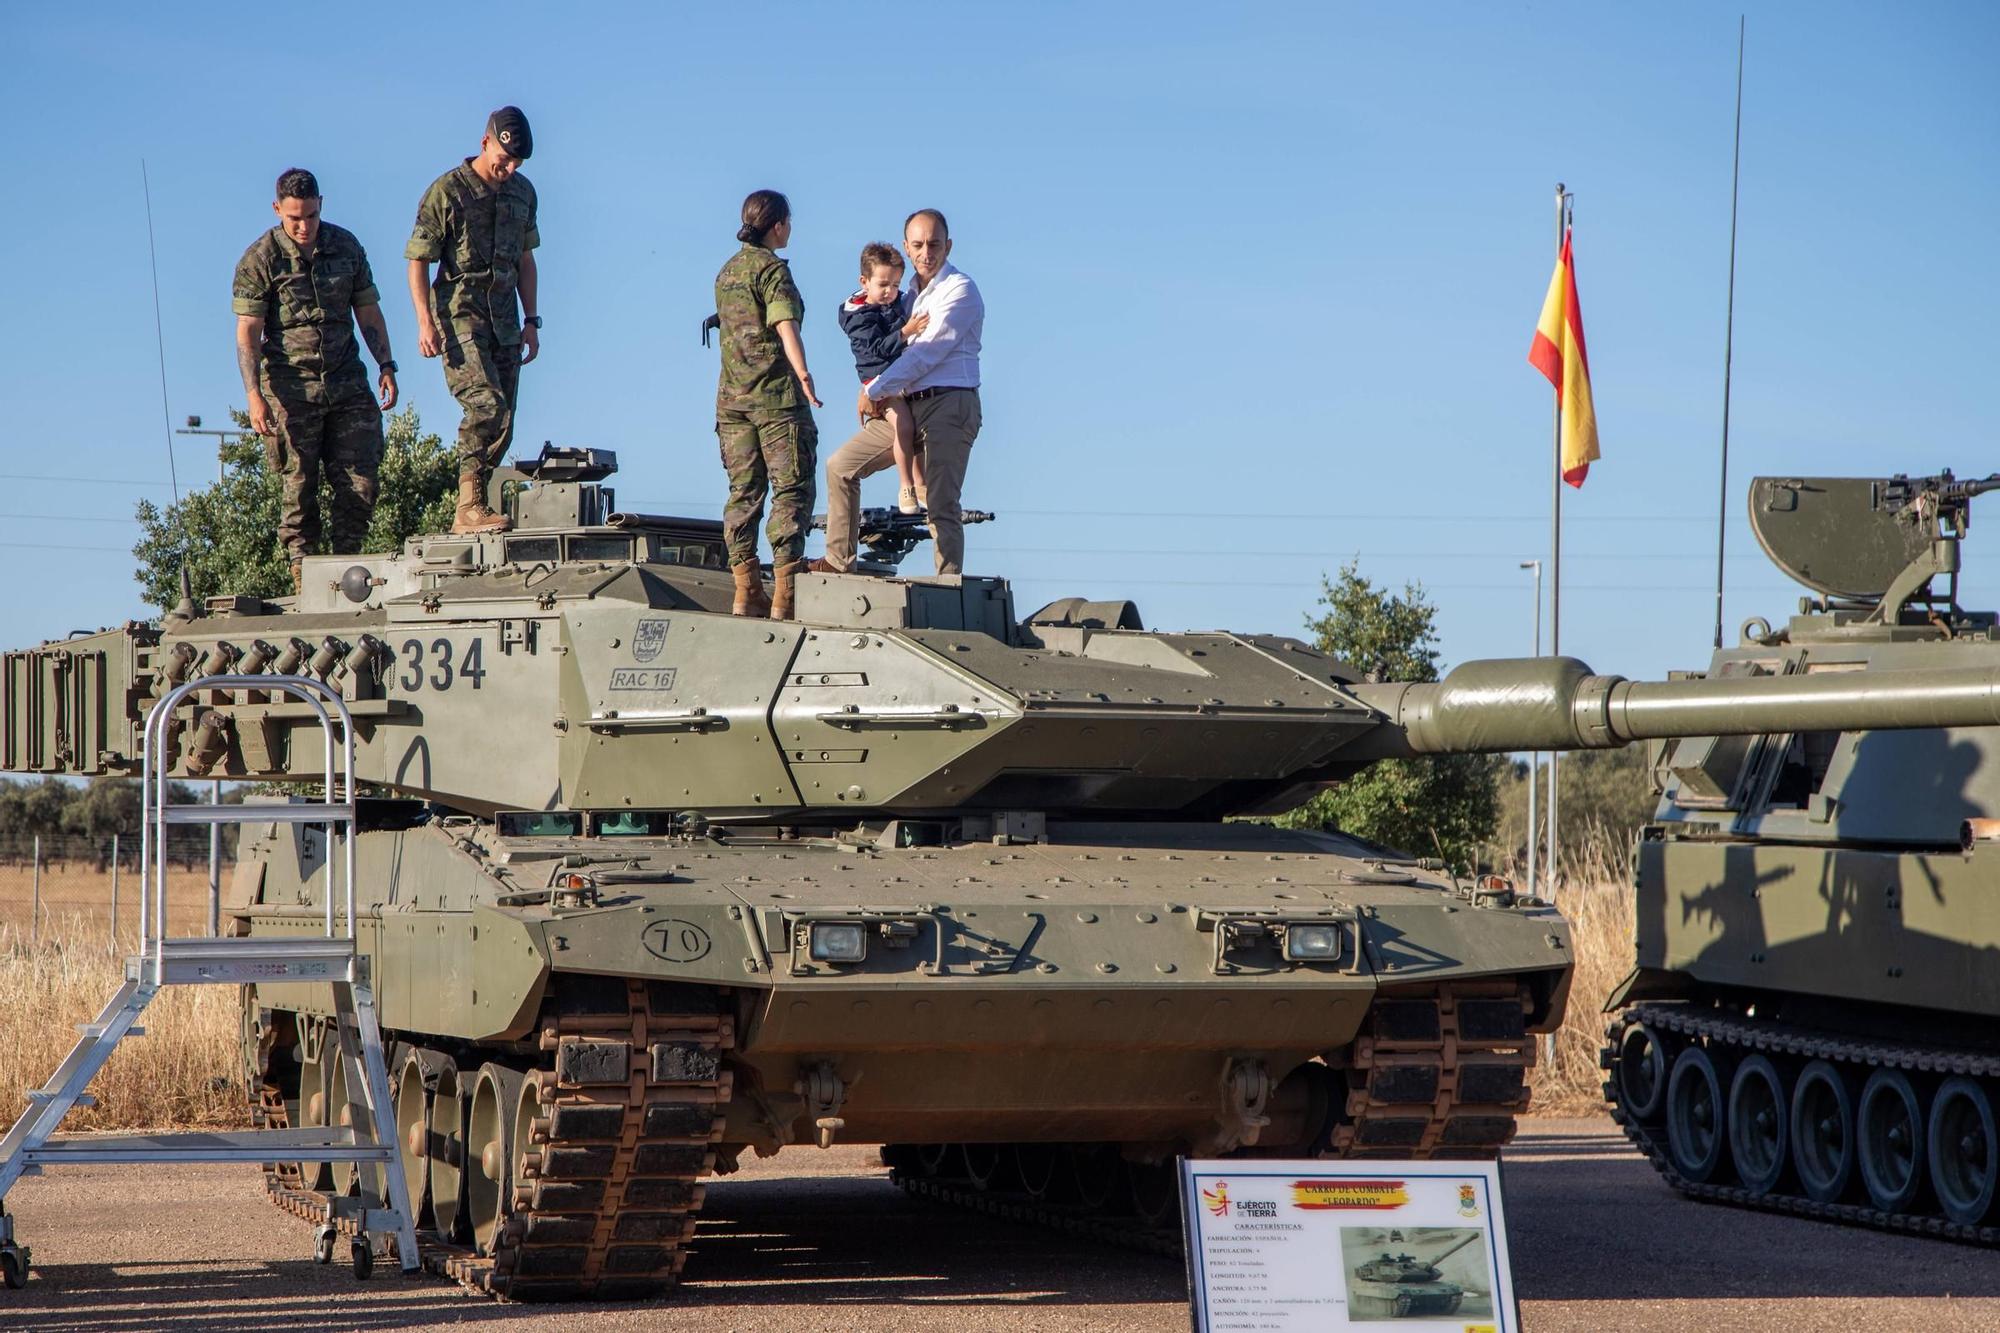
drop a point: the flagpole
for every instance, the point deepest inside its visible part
(1563, 212)
(1729, 339)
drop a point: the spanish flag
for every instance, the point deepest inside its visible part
(1559, 354)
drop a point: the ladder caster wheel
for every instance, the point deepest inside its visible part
(364, 1258)
(323, 1245)
(13, 1268)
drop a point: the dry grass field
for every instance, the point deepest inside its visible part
(184, 1071)
(78, 895)
(1598, 904)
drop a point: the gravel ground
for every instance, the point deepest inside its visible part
(813, 1240)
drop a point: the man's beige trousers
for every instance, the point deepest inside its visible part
(947, 423)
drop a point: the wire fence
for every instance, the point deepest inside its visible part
(82, 892)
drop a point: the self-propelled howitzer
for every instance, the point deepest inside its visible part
(645, 885)
(1809, 1023)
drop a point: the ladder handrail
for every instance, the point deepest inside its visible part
(153, 785)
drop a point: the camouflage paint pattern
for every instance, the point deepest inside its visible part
(335, 430)
(307, 305)
(476, 234)
(774, 452)
(485, 376)
(753, 294)
(311, 374)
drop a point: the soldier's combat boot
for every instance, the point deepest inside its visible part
(781, 588)
(473, 515)
(751, 599)
(298, 578)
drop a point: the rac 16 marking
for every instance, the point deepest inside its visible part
(429, 665)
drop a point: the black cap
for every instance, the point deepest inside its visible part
(509, 129)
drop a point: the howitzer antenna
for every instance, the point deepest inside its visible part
(1729, 337)
(159, 330)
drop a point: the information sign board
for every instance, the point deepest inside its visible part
(1289, 1246)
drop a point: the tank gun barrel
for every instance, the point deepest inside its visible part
(1463, 1241)
(1504, 705)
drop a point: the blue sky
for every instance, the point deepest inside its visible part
(1260, 280)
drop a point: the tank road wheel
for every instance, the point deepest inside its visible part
(1758, 1124)
(313, 1098)
(1822, 1132)
(1963, 1149)
(939, 1161)
(1889, 1135)
(1696, 1141)
(1156, 1192)
(445, 1162)
(489, 1150)
(419, 1075)
(1097, 1172)
(986, 1165)
(1641, 1071)
(531, 1131)
(349, 1108)
(1039, 1167)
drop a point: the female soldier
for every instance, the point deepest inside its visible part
(769, 442)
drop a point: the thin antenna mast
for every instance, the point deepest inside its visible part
(159, 331)
(1729, 339)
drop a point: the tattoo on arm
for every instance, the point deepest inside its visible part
(249, 344)
(377, 335)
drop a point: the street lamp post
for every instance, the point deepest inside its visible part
(1534, 759)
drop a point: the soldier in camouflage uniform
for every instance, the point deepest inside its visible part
(477, 223)
(769, 442)
(299, 290)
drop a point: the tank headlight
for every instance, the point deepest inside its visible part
(1312, 944)
(837, 942)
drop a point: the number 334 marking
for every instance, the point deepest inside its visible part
(431, 665)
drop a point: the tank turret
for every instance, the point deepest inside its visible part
(585, 661)
(1402, 1285)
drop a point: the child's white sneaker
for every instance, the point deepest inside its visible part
(907, 501)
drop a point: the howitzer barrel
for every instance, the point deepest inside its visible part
(1503, 705)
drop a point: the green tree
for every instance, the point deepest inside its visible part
(226, 534)
(1420, 805)
(1604, 797)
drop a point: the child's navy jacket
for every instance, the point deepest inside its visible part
(874, 331)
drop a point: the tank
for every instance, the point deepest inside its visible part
(646, 887)
(1402, 1286)
(1809, 1025)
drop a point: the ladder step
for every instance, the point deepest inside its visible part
(258, 814)
(50, 1094)
(249, 958)
(251, 1145)
(99, 1029)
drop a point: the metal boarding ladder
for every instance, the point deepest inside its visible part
(330, 958)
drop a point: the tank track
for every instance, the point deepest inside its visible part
(1746, 1035)
(1438, 1072)
(605, 1194)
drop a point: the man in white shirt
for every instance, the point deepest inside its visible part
(938, 376)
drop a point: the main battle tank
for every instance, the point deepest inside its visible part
(1401, 1285)
(1809, 1026)
(645, 886)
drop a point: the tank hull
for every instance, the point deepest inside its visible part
(1070, 1005)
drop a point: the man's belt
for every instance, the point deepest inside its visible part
(937, 389)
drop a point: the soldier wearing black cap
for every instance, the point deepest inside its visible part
(477, 223)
